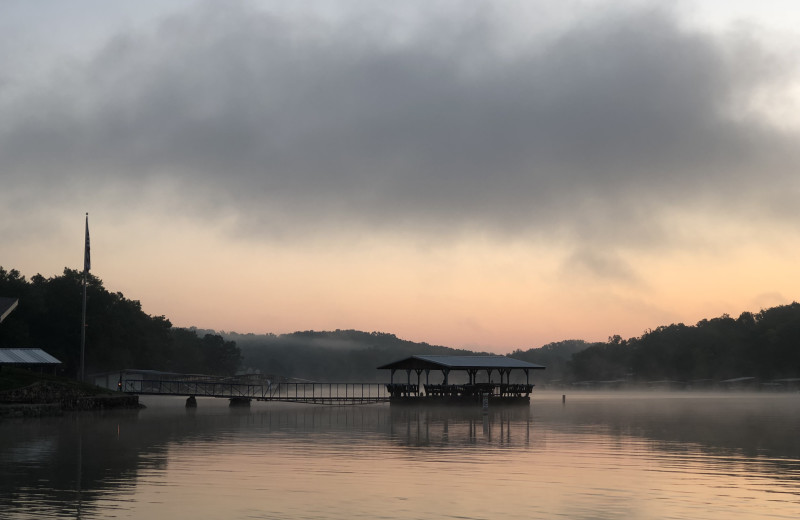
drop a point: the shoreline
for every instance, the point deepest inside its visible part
(82, 404)
(48, 398)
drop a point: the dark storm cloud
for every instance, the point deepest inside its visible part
(590, 132)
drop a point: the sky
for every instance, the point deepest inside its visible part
(484, 175)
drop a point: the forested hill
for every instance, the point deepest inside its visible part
(765, 346)
(556, 357)
(119, 334)
(351, 355)
(340, 355)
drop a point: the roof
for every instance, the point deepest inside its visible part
(26, 356)
(459, 363)
(7, 305)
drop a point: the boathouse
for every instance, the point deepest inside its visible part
(23, 357)
(28, 358)
(472, 391)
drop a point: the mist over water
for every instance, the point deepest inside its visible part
(598, 455)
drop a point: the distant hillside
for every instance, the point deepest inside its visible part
(555, 356)
(763, 346)
(340, 355)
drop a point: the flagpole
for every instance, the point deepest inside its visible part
(83, 327)
(86, 267)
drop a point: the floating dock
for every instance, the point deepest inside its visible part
(241, 390)
(470, 393)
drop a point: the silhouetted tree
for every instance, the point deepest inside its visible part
(119, 334)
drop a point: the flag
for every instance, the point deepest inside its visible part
(87, 261)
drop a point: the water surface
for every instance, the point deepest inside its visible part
(597, 456)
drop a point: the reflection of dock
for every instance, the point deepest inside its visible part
(245, 389)
(465, 425)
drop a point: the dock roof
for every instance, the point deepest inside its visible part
(460, 363)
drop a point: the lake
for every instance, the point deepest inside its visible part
(596, 456)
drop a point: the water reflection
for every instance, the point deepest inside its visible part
(96, 465)
(762, 425)
(440, 426)
(64, 465)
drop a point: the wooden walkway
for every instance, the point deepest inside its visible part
(254, 389)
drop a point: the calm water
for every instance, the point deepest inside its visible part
(605, 456)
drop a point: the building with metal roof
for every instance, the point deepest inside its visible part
(27, 357)
(502, 391)
(22, 357)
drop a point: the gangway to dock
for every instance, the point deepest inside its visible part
(251, 388)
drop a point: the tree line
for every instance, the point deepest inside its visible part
(765, 345)
(119, 334)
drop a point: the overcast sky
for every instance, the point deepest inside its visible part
(490, 175)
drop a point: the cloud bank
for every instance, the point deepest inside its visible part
(597, 129)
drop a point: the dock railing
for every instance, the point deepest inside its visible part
(254, 389)
(329, 393)
(479, 389)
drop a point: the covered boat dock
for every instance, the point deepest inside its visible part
(471, 391)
